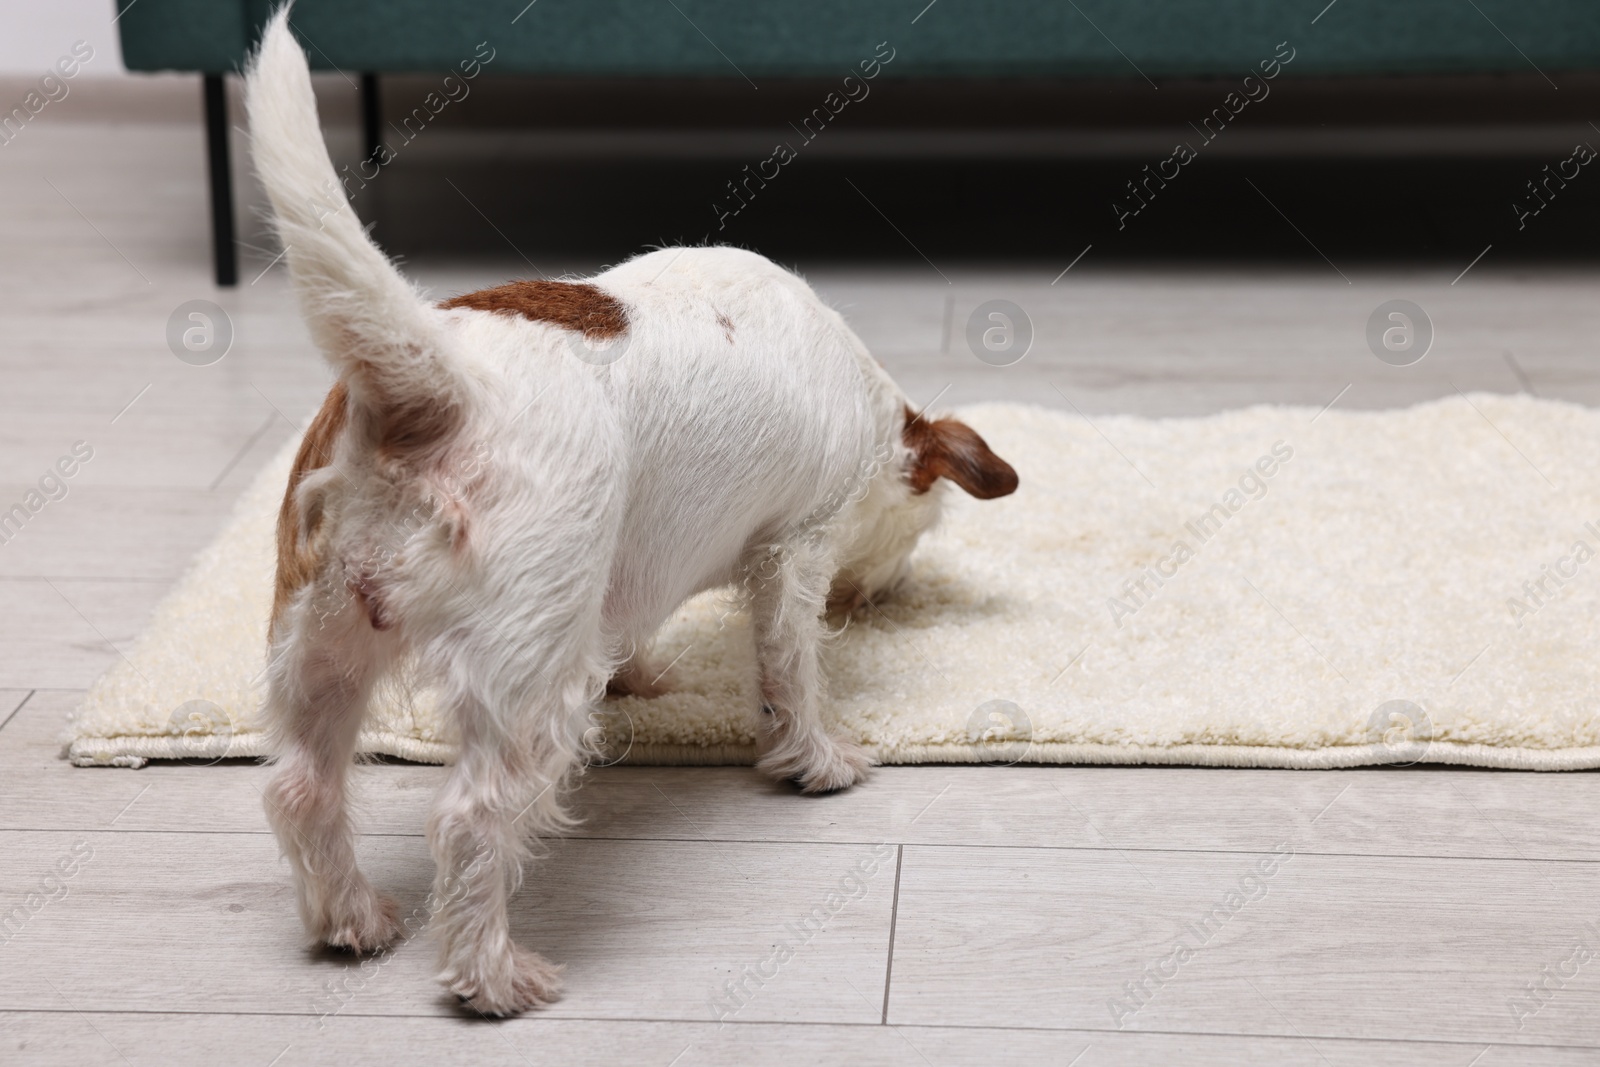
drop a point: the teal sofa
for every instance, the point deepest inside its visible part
(946, 39)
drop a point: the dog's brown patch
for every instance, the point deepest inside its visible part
(570, 305)
(403, 426)
(406, 428)
(727, 326)
(949, 448)
(298, 558)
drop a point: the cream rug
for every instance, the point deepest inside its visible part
(1369, 587)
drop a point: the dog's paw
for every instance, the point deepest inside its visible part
(510, 984)
(824, 766)
(368, 923)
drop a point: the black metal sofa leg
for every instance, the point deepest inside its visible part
(223, 250)
(371, 115)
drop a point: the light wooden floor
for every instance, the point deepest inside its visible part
(1014, 904)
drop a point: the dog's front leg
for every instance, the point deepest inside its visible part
(788, 595)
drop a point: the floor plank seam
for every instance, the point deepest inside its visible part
(894, 919)
(265, 832)
(20, 704)
(662, 1020)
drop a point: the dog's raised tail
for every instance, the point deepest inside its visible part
(371, 323)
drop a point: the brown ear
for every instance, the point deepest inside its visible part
(946, 448)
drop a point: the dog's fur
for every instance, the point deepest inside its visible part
(492, 494)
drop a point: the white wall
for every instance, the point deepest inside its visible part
(35, 33)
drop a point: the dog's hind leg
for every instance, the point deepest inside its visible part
(525, 660)
(788, 596)
(320, 676)
(521, 738)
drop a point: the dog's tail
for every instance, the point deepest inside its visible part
(370, 322)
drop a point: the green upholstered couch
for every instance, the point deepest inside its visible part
(751, 39)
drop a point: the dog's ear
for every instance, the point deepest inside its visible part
(947, 448)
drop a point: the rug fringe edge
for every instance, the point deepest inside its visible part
(135, 752)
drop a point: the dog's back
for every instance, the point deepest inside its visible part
(746, 403)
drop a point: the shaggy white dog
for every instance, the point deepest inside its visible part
(513, 489)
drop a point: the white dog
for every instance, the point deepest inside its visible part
(513, 489)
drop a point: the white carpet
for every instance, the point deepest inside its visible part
(1367, 604)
